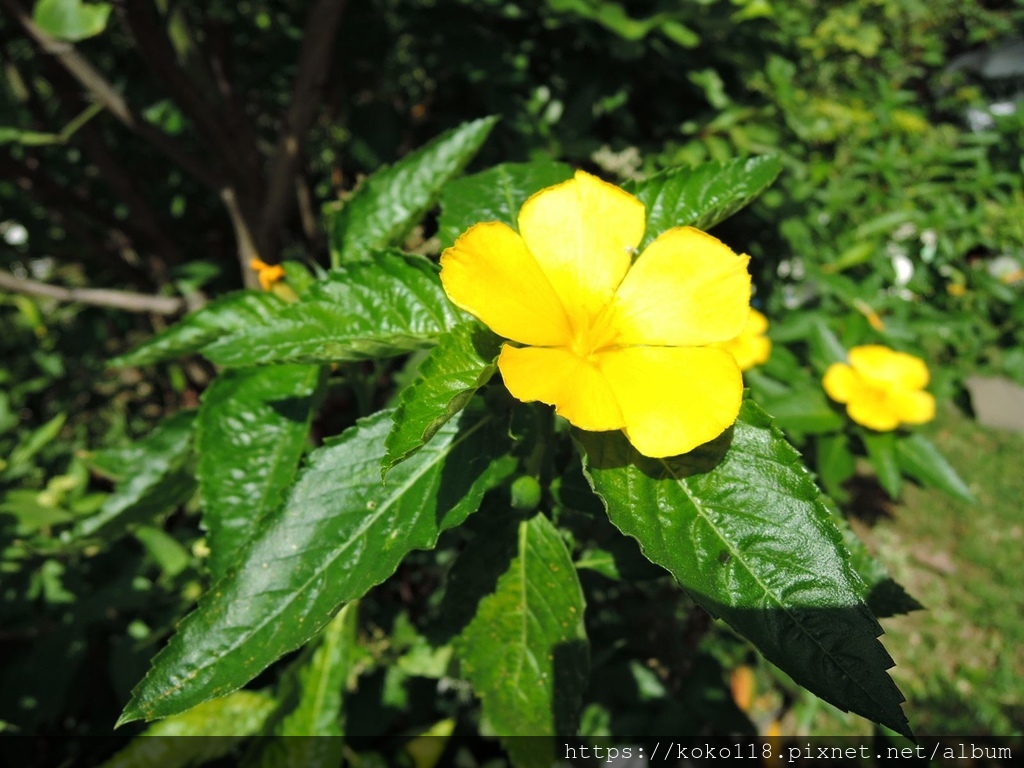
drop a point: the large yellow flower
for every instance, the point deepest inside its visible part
(612, 344)
(751, 347)
(881, 388)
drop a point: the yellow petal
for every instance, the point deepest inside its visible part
(562, 379)
(874, 413)
(749, 350)
(841, 383)
(583, 233)
(687, 289)
(490, 274)
(757, 323)
(913, 407)
(887, 368)
(673, 398)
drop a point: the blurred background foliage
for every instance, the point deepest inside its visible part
(163, 144)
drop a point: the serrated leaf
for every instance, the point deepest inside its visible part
(339, 533)
(702, 196)
(525, 651)
(456, 368)
(71, 19)
(920, 459)
(742, 527)
(232, 312)
(369, 309)
(222, 724)
(161, 478)
(251, 431)
(496, 194)
(388, 204)
(881, 448)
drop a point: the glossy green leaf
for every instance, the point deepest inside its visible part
(456, 368)
(525, 651)
(919, 458)
(232, 312)
(742, 527)
(388, 204)
(223, 724)
(496, 194)
(368, 309)
(703, 196)
(71, 19)
(339, 533)
(161, 478)
(881, 448)
(251, 431)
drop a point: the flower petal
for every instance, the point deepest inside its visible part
(562, 379)
(490, 274)
(687, 289)
(913, 407)
(874, 413)
(841, 383)
(673, 398)
(583, 233)
(887, 368)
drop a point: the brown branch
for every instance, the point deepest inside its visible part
(101, 297)
(103, 91)
(314, 62)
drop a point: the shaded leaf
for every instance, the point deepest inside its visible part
(232, 312)
(251, 431)
(456, 368)
(385, 307)
(920, 459)
(496, 194)
(703, 196)
(339, 533)
(388, 204)
(742, 527)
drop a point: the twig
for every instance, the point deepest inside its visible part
(101, 297)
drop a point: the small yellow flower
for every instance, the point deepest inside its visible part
(612, 344)
(268, 274)
(956, 289)
(881, 388)
(751, 347)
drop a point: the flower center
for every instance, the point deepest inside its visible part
(592, 335)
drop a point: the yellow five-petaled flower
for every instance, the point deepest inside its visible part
(611, 343)
(882, 388)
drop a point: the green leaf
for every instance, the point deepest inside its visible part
(251, 431)
(19, 459)
(525, 651)
(71, 19)
(456, 368)
(223, 723)
(919, 458)
(703, 196)
(742, 527)
(496, 194)
(339, 533)
(835, 463)
(160, 479)
(388, 204)
(232, 312)
(385, 307)
(805, 410)
(825, 347)
(881, 447)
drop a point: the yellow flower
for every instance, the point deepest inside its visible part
(751, 347)
(268, 274)
(882, 388)
(612, 344)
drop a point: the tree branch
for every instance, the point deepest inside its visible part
(314, 61)
(101, 297)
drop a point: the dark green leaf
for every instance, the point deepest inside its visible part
(161, 478)
(742, 527)
(525, 651)
(496, 194)
(71, 19)
(385, 307)
(251, 431)
(881, 447)
(703, 196)
(339, 533)
(920, 459)
(228, 313)
(457, 367)
(388, 204)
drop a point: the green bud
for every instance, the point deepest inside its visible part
(525, 493)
